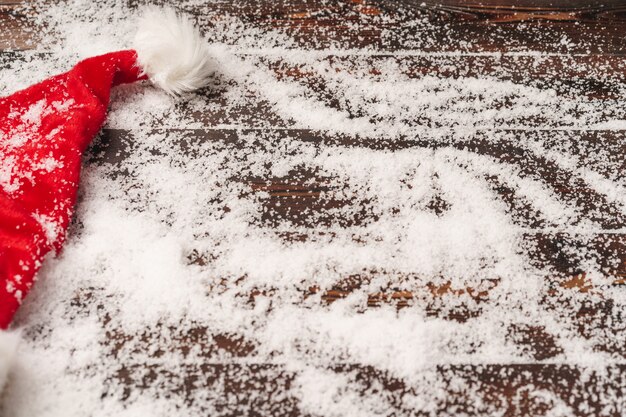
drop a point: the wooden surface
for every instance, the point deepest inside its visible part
(590, 62)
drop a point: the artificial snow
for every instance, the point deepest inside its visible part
(170, 237)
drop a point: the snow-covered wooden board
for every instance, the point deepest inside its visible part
(16, 32)
(449, 26)
(379, 208)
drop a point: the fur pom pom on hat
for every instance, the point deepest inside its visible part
(171, 52)
(44, 130)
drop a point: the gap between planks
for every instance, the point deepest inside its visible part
(358, 53)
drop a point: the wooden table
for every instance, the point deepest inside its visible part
(584, 46)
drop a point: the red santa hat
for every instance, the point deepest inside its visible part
(44, 130)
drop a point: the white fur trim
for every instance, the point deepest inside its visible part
(8, 348)
(171, 51)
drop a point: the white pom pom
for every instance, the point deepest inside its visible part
(8, 347)
(171, 51)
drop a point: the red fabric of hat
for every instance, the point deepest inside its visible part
(43, 133)
(44, 130)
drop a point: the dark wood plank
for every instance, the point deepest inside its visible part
(593, 76)
(582, 91)
(513, 389)
(510, 390)
(266, 389)
(400, 25)
(17, 32)
(303, 198)
(592, 83)
(403, 25)
(539, 5)
(212, 376)
(219, 381)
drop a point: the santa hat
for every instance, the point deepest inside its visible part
(44, 130)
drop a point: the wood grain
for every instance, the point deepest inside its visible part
(585, 43)
(17, 31)
(406, 25)
(504, 389)
(394, 25)
(235, 388)
(302, 197)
